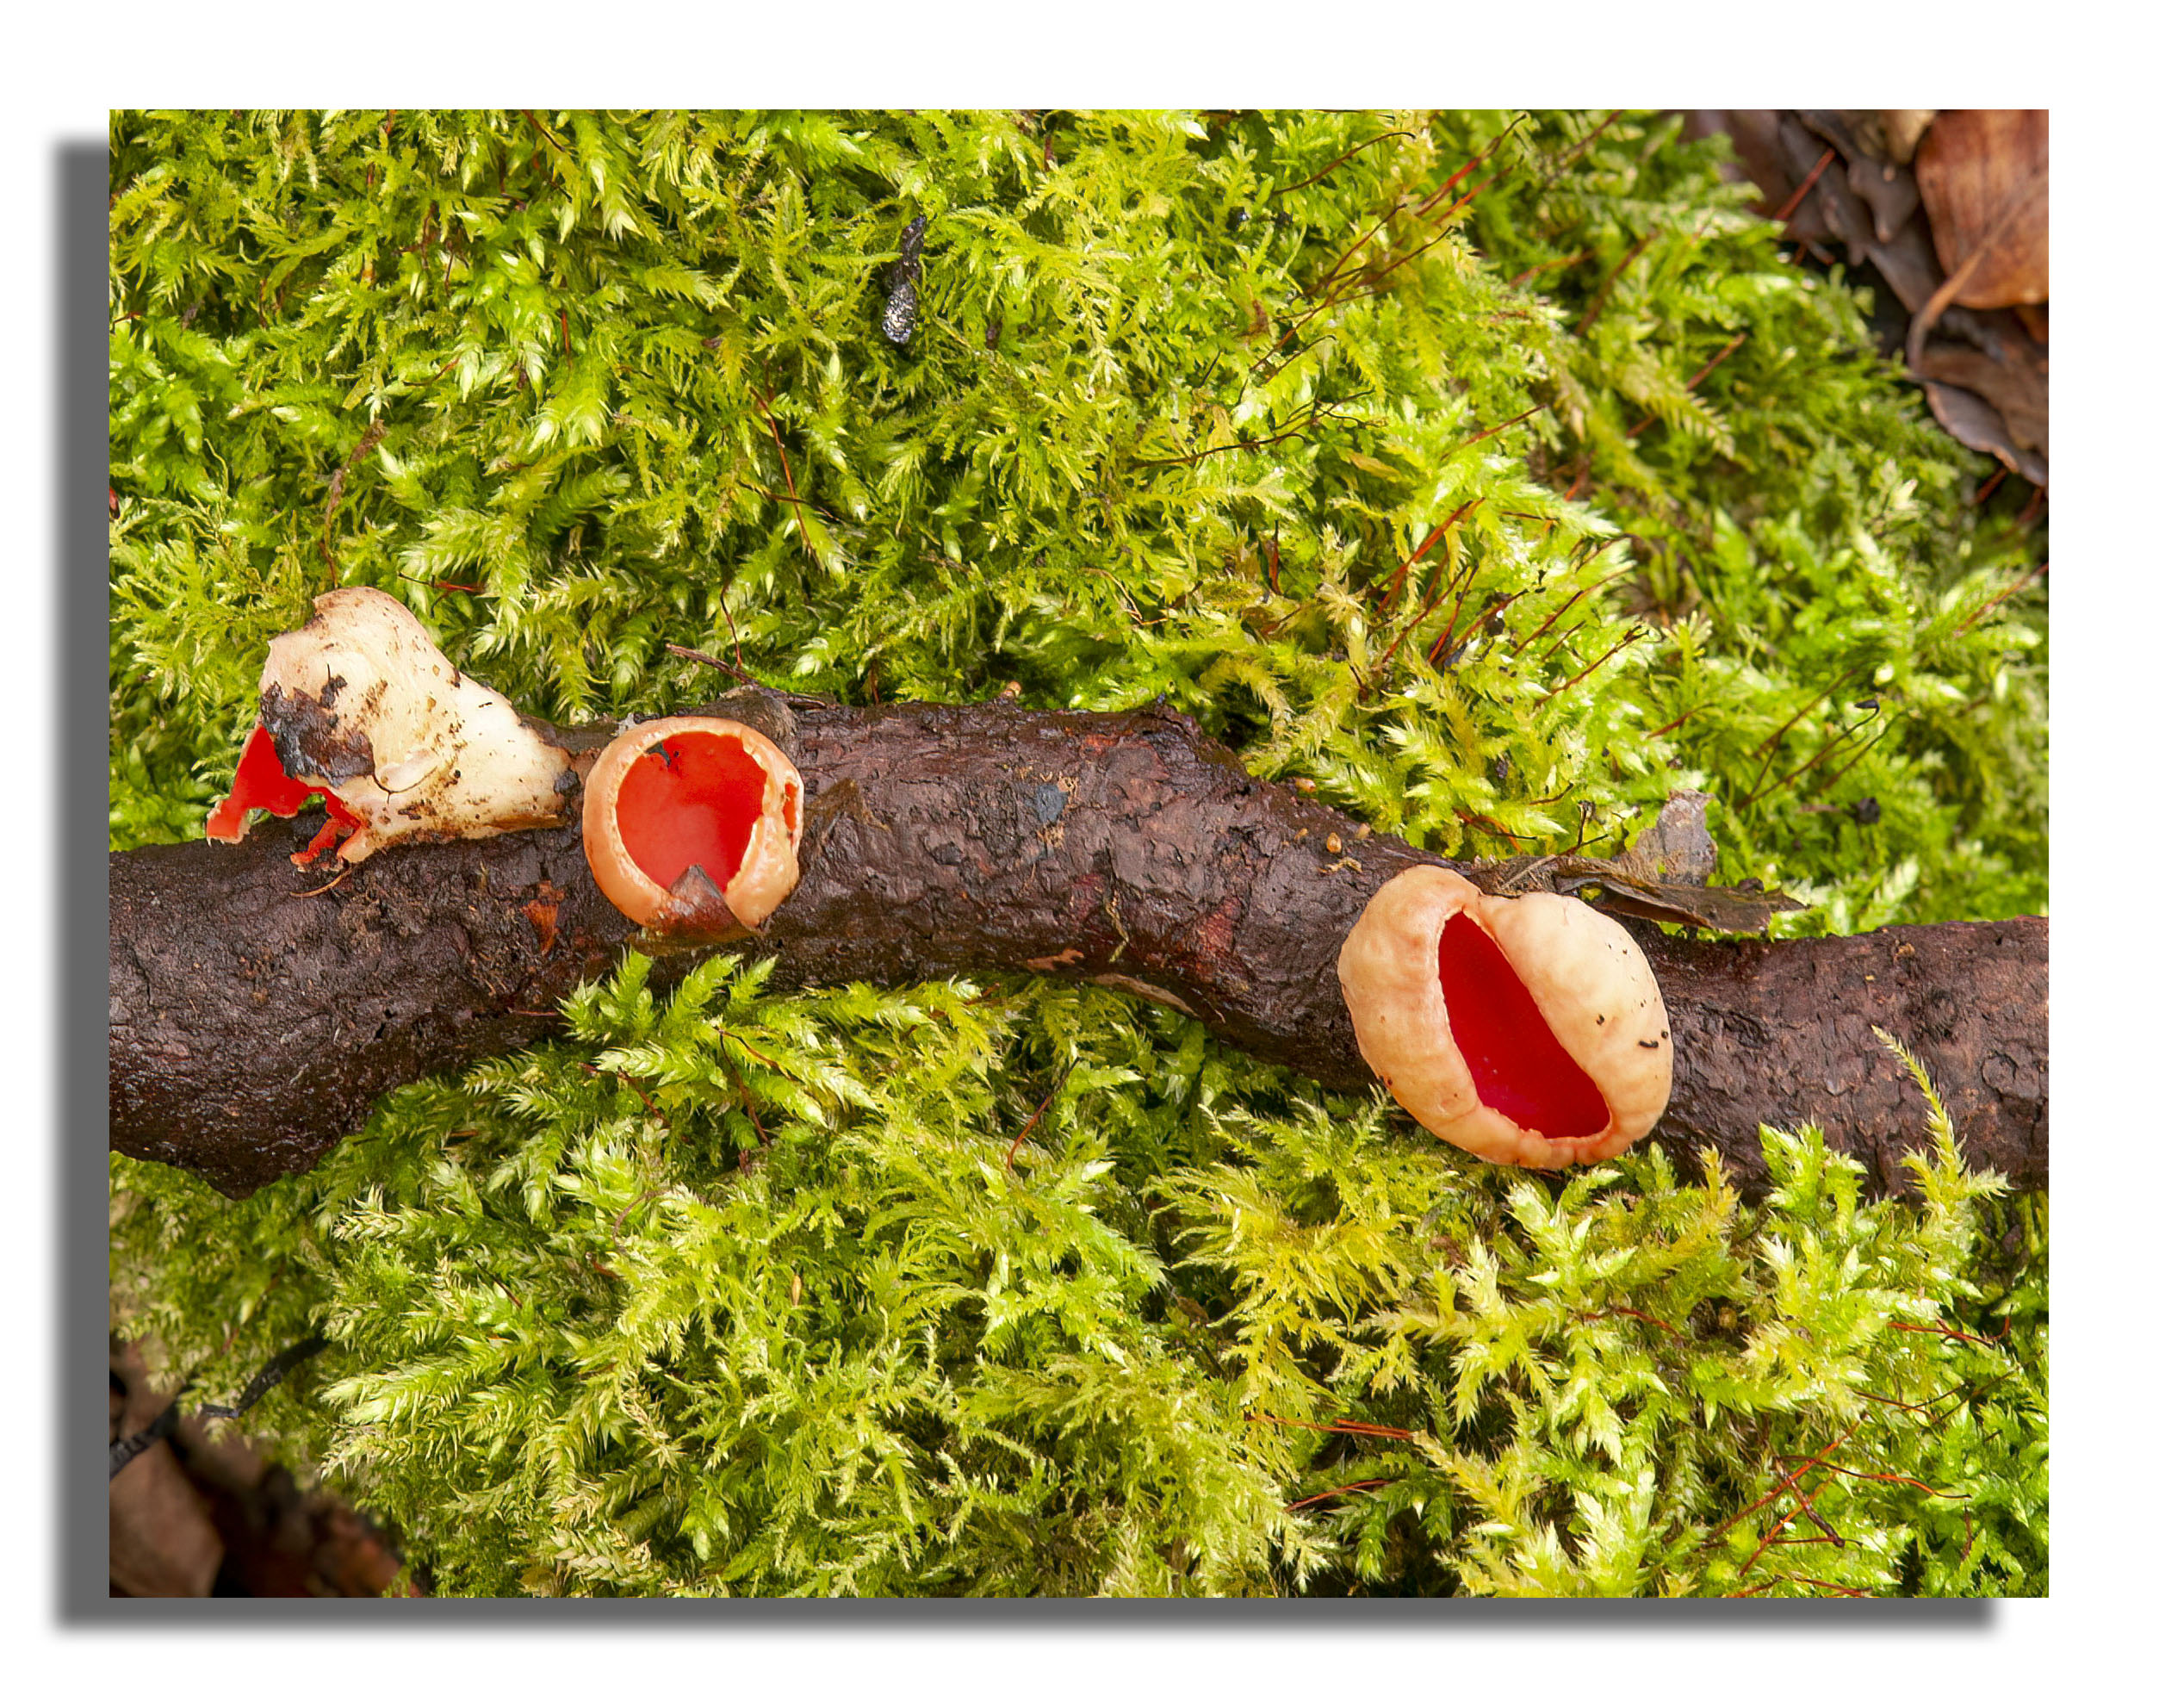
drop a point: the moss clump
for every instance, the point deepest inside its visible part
(737, 1292)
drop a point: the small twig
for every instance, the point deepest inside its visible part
(1324, 286)
(1487, 618)
(1879, 1476)
(368, 440)
(1407, 629)
(1837, 776)
(1788, 1482)
(1843, 1590)
(1372, 281)
(1326, 279)
(1707, 368)
(754, 1053)
(542, 130)
(1769, 744)
(1639, 1316)
(1011, 1157)
(615, 1232)
(787, 473)
(1791, 204)
(749, 1107)
(719, 664)
(1439, 648)
(1665, 730)
(1492, 825)
(2012, 589)
(1511, 421)
(1400, 575)
(1579, 593)
(1320, 413)
(1634, 633)
(1560, 645)
(1821, 754)
(1339, 1426)
(1568, 157)
(1990, 1340)
(1343, 1488)
(1906, 1405)
(1828, 1530)
(1532, 272)
(735, 638)
(1469, 166)
(622, 1079)
(1597, 303)
(1337, 160)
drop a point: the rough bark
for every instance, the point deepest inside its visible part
(256, 1015)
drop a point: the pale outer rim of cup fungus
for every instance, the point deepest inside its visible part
(1587, 977)
(768, 873)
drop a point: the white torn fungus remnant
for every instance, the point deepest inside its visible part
(361, 706)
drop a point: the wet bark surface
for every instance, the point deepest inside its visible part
(257, 1014)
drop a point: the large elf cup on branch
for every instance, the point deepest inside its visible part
(1528, 1029)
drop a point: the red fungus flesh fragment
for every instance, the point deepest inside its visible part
(1519, 1067)
(692, 800)
(261, 781)
(335, 828)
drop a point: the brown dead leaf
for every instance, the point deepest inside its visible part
(2016, 386)
(1677, 848)
(162, 1541)
(1906, 261)
(1890, 190)
(1662, 875)
(1983, 368)
(1974, 421)
(1983, 173)
(199, 1512)
(1902, 129)
(542, 914)
(1711, 907)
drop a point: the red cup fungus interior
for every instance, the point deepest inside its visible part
(1520, 1069)
(692, 799)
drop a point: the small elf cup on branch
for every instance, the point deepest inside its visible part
(692, 826)
(1527, 1029)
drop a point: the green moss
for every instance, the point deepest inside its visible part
(733, 1292)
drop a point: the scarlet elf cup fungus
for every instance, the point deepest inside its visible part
(691, 825)
(1528, 1029)
(360, 706)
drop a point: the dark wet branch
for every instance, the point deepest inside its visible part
(256, 1015)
